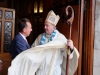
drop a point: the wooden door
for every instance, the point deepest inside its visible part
(7, 24)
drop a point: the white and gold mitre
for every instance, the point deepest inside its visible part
(52, 18)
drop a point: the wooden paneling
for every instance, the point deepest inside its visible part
(6, 3)
(88, 41)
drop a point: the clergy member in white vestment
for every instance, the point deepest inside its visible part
(48, 53)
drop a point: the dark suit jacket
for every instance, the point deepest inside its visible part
(18, 45)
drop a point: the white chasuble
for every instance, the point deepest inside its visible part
(47, 59)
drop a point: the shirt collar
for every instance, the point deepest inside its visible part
(22, 35)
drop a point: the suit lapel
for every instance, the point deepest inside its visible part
(25, 42)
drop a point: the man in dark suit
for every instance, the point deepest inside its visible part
(19, 43)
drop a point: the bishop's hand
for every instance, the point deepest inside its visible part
(70, 44)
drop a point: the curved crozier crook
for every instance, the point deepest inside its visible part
(70, 20)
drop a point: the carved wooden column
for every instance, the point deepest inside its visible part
(88, 38)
